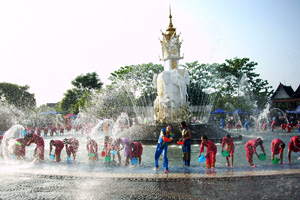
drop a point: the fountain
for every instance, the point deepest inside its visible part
(171, 105)
(85, 179)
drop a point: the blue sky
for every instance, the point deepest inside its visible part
(46, 44)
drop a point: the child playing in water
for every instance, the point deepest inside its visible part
(229, 147)
(72, 145)
(289, 127)
(136, 151)
(273, 125)
(19, 148)
(211, 151)
(283, 126)
(250, 148)
(59, 145)
(277, 147)
(92, 148)
(45, 131)
(40, 145)
(107, 145)
(125, 143)
(238, 127)
(229, 126)
(294, 145)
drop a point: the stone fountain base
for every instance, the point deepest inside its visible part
(148, 134)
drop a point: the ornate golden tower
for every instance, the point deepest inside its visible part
(170, 47)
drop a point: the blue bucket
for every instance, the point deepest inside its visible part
(202, 159)
(52, 156)
(113, 152)
(69, 159)
(134, 161)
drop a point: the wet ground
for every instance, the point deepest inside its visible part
(219, 184)
(97, 180)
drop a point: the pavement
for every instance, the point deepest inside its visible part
(242, 183)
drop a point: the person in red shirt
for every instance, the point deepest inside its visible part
(69, 127)
(229, 147)
(273, 125)
(238, 127)
(136, 151)
(229, 126)
(40, 145)
(264, 127)
(289, 127)
(38, 131)
(45, 131)
(250, 148)
(52, 130)
(294, 145)
(211, 151)
(92, 147)
(72, 145)
(283, 126)
(59, 145)
(61, 130)
(277, 147)
(107, 145)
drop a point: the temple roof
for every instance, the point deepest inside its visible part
(283, 92)
(297, 92)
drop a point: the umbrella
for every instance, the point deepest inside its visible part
(297, 111)
(50, 112)
(70, 115)
(219, 111)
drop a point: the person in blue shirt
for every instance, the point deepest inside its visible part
(165, 137)
(222, 121)
(246, 125)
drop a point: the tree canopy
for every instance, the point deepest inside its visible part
(17, 95)
(75, 98)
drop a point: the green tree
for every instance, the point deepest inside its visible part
(242, 85)
(88, 82)
(84, 86)
(17, 95)
(233, 82)
(137, 80)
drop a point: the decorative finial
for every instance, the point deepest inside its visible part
(170, 30)
(170, 16)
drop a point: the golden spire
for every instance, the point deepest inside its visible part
(170, 29)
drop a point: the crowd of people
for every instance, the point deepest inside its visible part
(166, 136)
(134, 150)
(289, 126)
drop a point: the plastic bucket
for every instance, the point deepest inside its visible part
(91, 155)
(275, 161)
(166, 139)
(225, 153)
(202, 159)
(52, 156)
(134, 161)
(113, 152)
(107, 158)
(262, 157)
